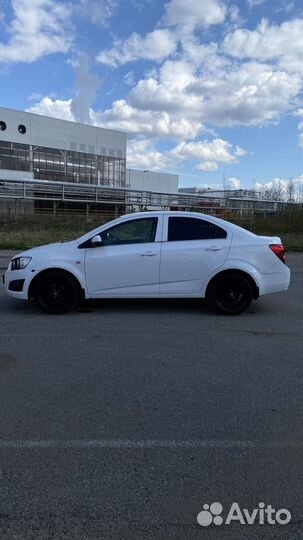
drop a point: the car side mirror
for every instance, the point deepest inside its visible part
(96, 240)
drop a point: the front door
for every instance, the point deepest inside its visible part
(127, 263)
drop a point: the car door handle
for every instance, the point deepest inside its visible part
(148, 254)
(213, 248)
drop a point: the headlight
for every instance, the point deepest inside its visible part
(20, 262)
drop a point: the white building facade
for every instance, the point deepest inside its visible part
(39, 147)
(147, 180)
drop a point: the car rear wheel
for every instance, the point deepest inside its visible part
(230, 294)
(56, 292)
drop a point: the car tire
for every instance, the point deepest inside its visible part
(56, 292)
(230, 294)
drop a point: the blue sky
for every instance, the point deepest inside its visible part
(207, 89)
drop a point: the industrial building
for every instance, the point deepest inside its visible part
(152, 181)
(52, 165)
(69, 156)
(44, 148)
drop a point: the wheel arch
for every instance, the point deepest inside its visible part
(234, 271)
(34, 281)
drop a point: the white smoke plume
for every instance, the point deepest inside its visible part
(86, 86)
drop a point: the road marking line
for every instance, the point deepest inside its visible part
(148, 443)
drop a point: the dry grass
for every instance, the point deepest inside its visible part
(37, 230)
(32, 232)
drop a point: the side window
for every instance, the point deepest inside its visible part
(185, 228)
(137, 231)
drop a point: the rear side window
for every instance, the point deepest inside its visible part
(185, 228)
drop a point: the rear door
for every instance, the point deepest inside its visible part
(192, 248)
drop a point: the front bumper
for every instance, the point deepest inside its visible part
(16, 283)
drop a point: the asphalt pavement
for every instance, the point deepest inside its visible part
(123, 419)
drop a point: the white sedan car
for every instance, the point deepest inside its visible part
(153, 255)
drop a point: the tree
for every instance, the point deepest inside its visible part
(291, 190)
(273, 192)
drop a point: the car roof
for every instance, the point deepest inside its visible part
(167, 213)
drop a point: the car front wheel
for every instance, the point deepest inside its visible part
(56, 292)
(230, 294)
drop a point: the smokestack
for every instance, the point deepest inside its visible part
(86, 86)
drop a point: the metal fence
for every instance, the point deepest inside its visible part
(40, 196)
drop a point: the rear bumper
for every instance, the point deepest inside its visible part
(275, 282)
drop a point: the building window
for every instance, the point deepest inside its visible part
(14, 156)
(62, 165)
(48, 163)
(22, 129)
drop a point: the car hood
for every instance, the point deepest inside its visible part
(49, 248)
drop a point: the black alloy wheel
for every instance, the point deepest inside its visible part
(230, 294)
(56, 292)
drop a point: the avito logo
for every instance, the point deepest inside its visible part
(212, 514)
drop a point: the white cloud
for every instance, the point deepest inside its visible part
(235, 17)
(286, 7)
(299, 113)
(125, 117)
(255, 3)
(208, 166)
(166, 91)
(129, 78)
(208, 153)
(144, 127)
(247, 94)
(99, 11)
(289, 6)
(269, 42)
(155, 46)
(252, 78)
(234, 183)
(38, 28)
(222, 95)
(34, 96)
(142, 155)
(56, 108)
(239, 152)
(192, 13)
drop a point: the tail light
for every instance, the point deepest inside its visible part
(278, 250)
